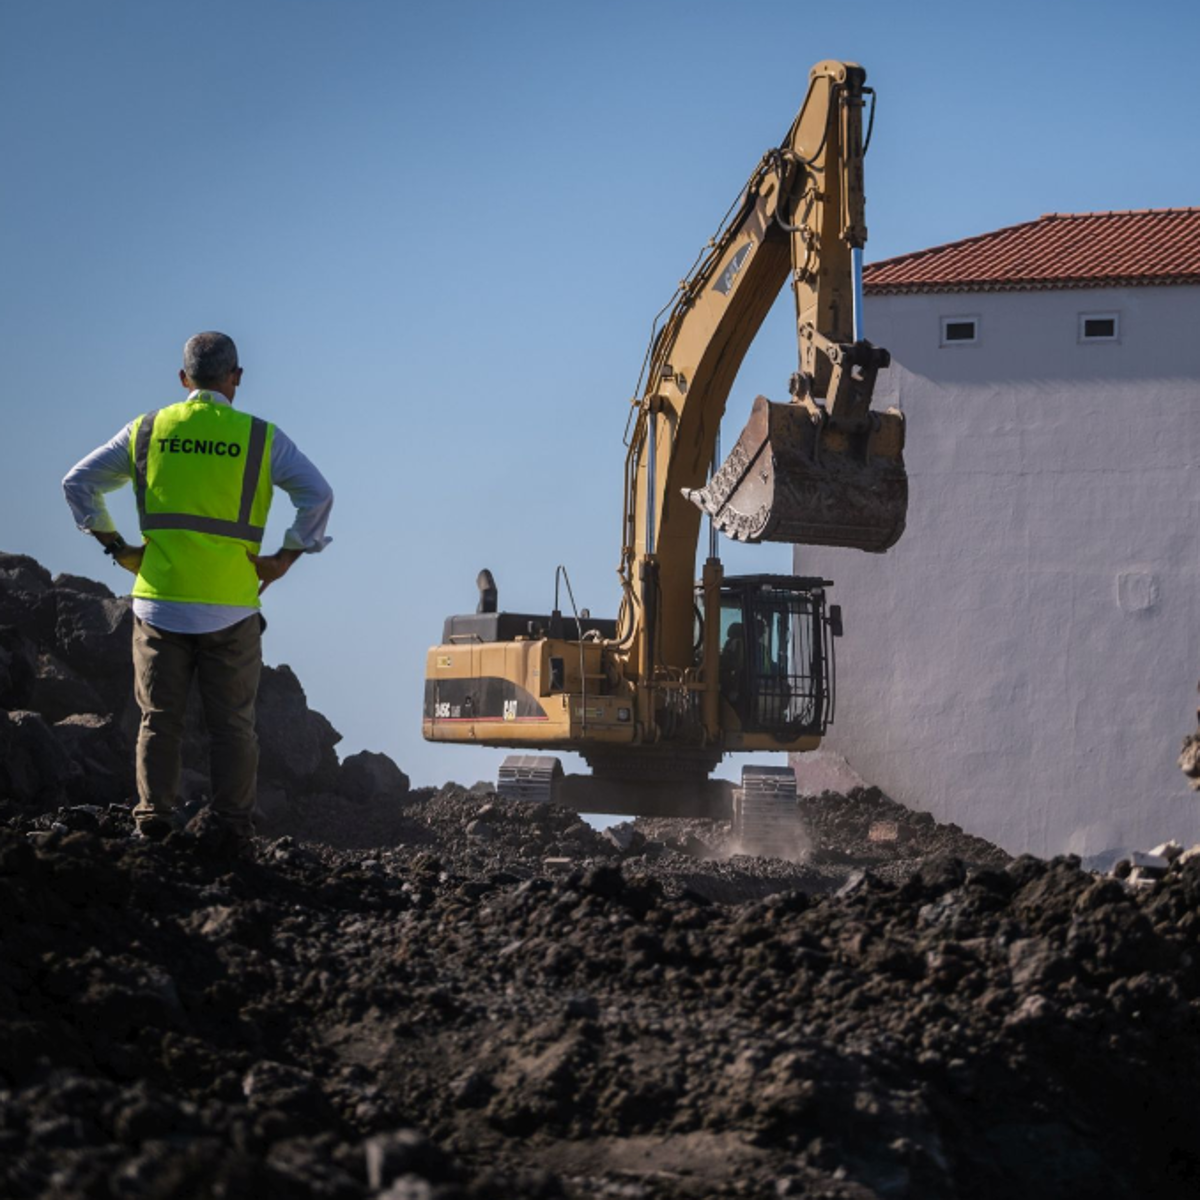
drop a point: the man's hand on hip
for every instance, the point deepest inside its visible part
(270, 567)
(129, 557)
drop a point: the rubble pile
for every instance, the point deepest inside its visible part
(863, 829)
(174, 1022)
(1189, 759)
(68, 719)
(496, 1000)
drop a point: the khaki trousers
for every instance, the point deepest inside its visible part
(227, 665)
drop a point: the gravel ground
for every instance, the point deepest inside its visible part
(433, 995)
(505, 1004)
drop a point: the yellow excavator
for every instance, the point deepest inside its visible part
(690, 670)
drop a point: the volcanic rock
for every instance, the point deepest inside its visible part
(18, 669)
(370, 776)
(65, 654)
(92, 632)
(94, 745)
(32, 765)
(58, 691)
(296, 743)
(23, 584)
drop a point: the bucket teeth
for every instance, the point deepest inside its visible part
(791, 478)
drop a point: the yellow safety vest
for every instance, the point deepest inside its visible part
(202, 477)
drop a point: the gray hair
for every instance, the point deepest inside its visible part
(209, 358)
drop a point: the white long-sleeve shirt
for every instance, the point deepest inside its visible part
(107, 469)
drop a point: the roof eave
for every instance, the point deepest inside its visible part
(1027, 285)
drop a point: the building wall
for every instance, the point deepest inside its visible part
(1024, 662)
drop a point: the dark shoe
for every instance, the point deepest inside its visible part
(154, 829)
(217, 837)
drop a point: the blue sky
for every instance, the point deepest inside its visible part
(439, 235)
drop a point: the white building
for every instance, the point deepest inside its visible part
(1024, 662)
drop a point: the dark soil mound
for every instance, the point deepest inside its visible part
(68, 718)
(177, 1022)
(452, 996)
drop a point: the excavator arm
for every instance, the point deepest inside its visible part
(652, 706)
(822, 469)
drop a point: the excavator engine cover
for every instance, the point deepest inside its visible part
(792, 477)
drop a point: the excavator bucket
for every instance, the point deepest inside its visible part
(793, 478)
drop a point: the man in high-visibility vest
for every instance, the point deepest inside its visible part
(203, 475)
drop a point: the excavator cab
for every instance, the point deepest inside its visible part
(776, 658)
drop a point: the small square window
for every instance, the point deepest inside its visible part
(960, 331)
(1099, 327)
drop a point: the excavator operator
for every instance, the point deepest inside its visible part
(771, 686)
(733, 662)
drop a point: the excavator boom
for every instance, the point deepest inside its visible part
(823, 468)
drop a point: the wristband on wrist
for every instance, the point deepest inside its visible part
(115, 547)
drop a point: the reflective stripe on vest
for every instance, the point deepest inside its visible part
(241, 528)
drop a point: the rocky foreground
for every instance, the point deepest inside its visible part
(424, 994)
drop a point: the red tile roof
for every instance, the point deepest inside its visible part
(1058, 250)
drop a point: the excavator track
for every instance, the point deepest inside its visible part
(766, 815)
(529, 777)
